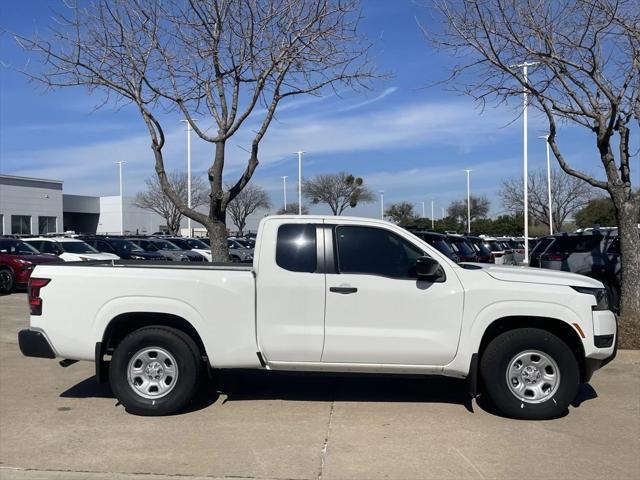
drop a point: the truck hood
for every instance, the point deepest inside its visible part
(539, 275)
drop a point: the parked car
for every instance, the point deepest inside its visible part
(386, 302)
(247, 242)
(502, 255)
(595, 254)
(193, 245)
(538, 249)
(69, 249)
(122, 247)
(439, 241)
(482, 253)
(167, 249)
(17, 261)
(238, 253)
(463, 249)
(516, 245)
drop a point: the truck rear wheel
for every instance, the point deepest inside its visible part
(155, 371)
(530, 374)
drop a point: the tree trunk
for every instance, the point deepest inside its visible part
(217, 226)
(218, 237)
(629, 321)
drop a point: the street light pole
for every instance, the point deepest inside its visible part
(525, 154)
(546, 137)
(432, 219)
(188, 173)
(300, 152)
(423, 214)
(284, 191)
(382, 204)
(121, 202)
(468, 203)
(442, 213)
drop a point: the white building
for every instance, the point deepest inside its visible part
(31, 206)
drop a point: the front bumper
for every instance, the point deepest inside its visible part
(34, 344)
(605, 339)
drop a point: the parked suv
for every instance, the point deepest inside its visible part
(167, 249)
(464, 250)
(192, 244)
(122, 247)
(595, 254)
(482, 253)
(439, 241)
(17, 261)
(516, 245)
(501, 253)
(69, 249)
(538, 249)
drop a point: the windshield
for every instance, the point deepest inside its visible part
(165, 245)
(184, 245)
(16, 247)
(77, 247)
(461, 247)
(244, 243)
(480, 248)
(542, 245)
(494, 246)
(125, 246)
(194, 243)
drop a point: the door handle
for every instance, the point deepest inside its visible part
(343, 290)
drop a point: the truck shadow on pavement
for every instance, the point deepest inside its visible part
(238, 385)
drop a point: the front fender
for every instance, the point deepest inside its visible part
(475, 327)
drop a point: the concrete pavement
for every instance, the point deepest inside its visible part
(58, 423)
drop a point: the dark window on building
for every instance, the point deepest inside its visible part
(21, 224)
(296, 247)
(375, 251)
(46, 225)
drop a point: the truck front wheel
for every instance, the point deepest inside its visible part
(155, 371)
(530, 374)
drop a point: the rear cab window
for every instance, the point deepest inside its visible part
(296, 247)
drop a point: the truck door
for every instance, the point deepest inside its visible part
(290, 286)
(378, 312)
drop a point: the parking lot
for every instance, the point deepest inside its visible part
(59, 423)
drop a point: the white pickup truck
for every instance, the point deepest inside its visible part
(330, 294)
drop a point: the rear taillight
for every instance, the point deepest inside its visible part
(35, 302)
(497, 255)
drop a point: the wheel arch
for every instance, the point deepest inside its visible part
(125, 323)
(557, 327)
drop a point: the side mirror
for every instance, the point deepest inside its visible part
(427, 268)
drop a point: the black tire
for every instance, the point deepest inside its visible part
(7, 280)
(235, 259)
(496, 361)
(188, 363)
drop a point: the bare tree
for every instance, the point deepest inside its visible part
(569, 194)
(479, 209)
(226, 60)
(250, 199)
(584, 71)
(338, 190)
(292, 209)
(401, 212)
(156, 200)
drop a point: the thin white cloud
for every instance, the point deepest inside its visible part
(422, 125)
(385, 93)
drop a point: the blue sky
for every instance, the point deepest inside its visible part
(410, 141)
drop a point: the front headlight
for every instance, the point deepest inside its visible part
(600, 294)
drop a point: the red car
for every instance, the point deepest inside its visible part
(17, 260)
